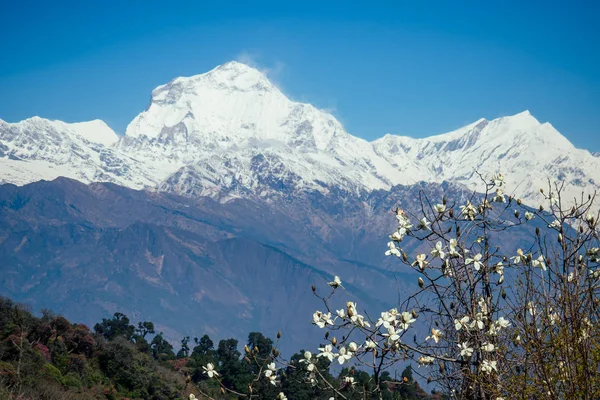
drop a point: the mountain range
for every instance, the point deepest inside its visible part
(232, 133)
(225, 200)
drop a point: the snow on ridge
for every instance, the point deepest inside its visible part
(230, 131)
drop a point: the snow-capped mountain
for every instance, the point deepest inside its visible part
(527, 152)
(230, 132)
(37, 148)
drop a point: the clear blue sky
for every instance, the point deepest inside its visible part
(406, 67)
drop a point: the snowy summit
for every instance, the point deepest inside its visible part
(230, 132)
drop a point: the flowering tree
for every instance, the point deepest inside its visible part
(498, 321)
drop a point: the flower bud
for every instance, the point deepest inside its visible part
(542, 191)
(442, 368)
(404, 257)
(580, 228)
(275, 352)
(247, 360)
(326, 335)
(560, 238)
(222, 390)
(444, 200)
(414, 314)
(255, 349)
(246, 349)
(517, 214)
(278, 334)
(537, 231)
(314, 289)
(519, 201)
(334, 341)
(429, 380)
(421, 283)
(541, 208)
(451, 213)
(452, 305)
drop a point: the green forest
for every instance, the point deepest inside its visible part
(48, 357)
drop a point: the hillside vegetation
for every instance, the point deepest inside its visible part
(48, 357)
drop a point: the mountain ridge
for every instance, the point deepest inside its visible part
(230, 132)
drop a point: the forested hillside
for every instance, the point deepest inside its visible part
(48, 358)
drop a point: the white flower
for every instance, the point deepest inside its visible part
(519, 258)
(392, 335)
(341, 313)
(452, 248)
(465, 350)
(589, 217)
(354, 316)
(321, 319)
(502, 322)
(392, 250)
(353, 347)
(371, 345)
(554, 318)
(440, 208)
(396, 236)
(469, 211)
(425, 360)
(488, 366)
(336, 282)
(477, 321)
(554, 224)
(499, 268)
(281, 396)
(499, 197)
(483, 306)
(436, 335)
(210, 370)
(271, 373)
(192, 396)
(461, 323)
(344, 355)
(539, 262)
(387, 319)
(531, 308)
(488, 347)
(405, 320)
(498, 179)
(476, 261)
(421, 261)
(327, 352)
(438, 251)
(529, 215)
(424, 224)
(404, 224)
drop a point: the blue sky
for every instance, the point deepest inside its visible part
(415, 68)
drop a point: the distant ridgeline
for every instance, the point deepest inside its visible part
(48, 357)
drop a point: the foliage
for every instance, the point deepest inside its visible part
(51, 358)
